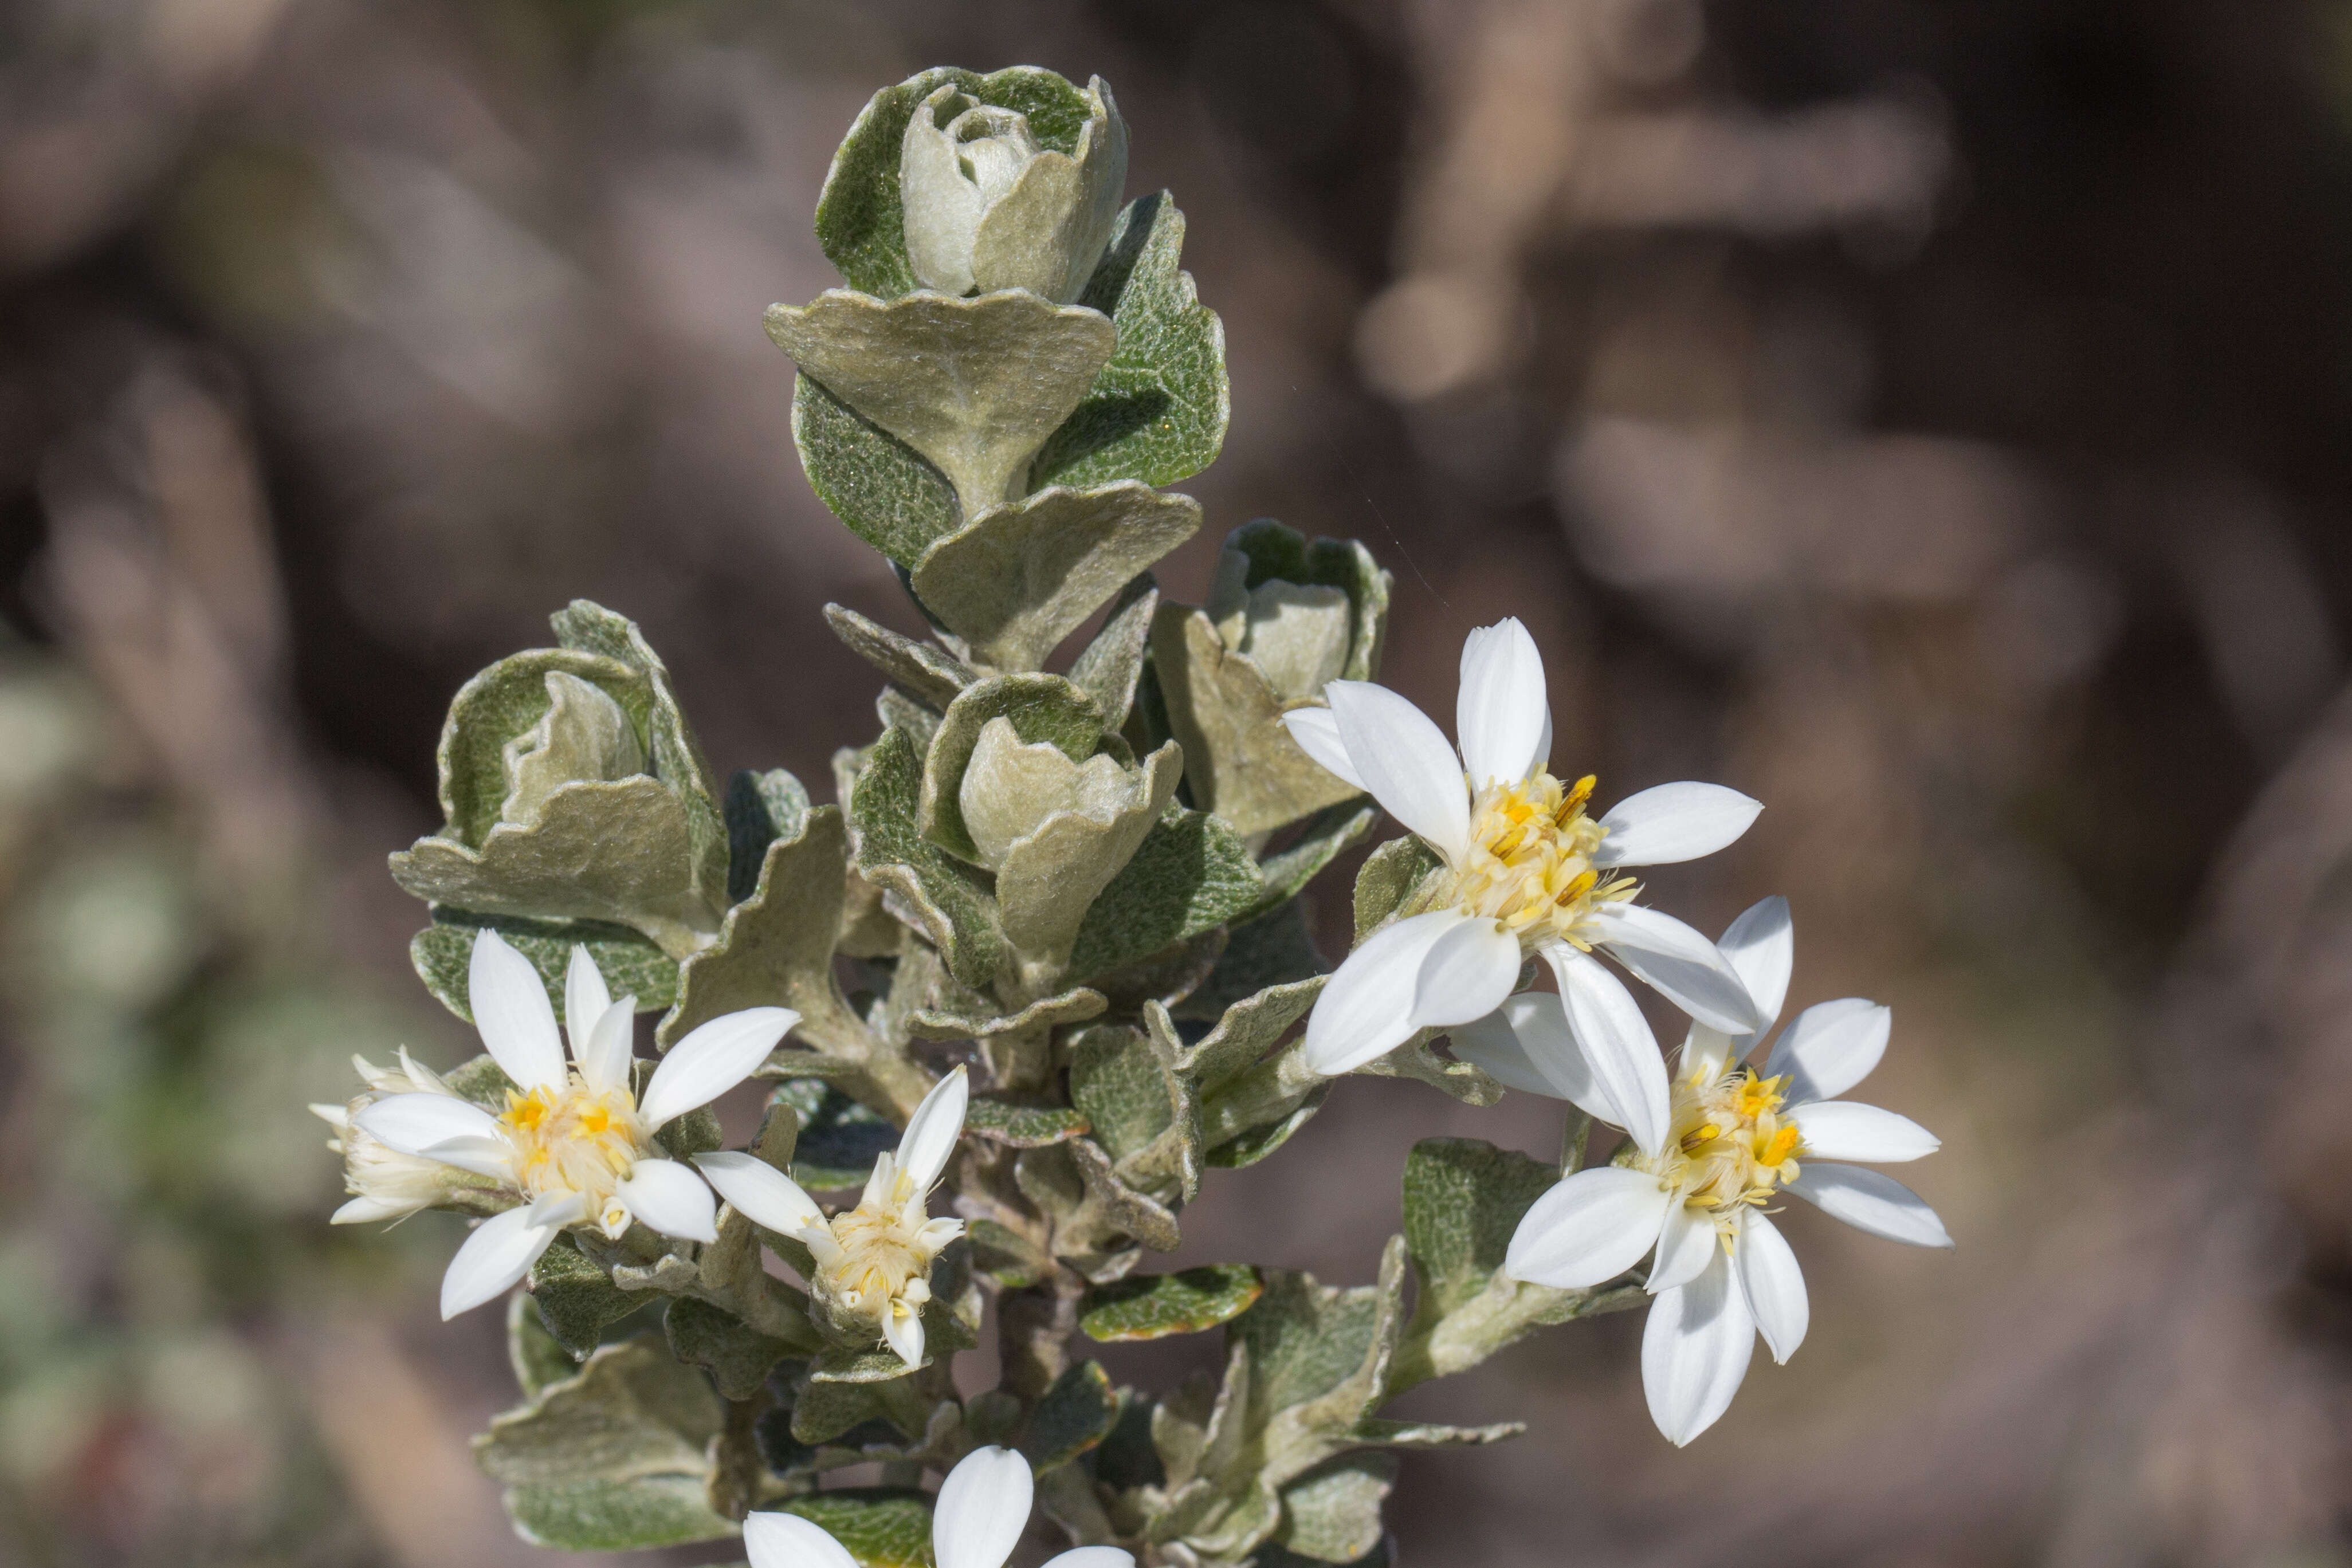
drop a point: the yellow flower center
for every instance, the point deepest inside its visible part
(1530, 860)
(573, 1140)
(883, 1266)
(1729, 1147)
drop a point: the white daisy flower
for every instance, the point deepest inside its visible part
(384, 1184)
(873, 1261)
(574, 1141)
(983, 1507)
(1532, 872)
(1739, 1137)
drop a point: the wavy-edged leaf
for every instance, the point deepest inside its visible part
(882, 489)
(443, 954)
(1019, 577)
(1154, 1306)
(1192, 873)
(1073, 1415)
(950, 900)
(1158, 411)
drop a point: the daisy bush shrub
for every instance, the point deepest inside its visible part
(1040, 963)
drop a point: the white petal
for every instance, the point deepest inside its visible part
(1525, 1044)
(1465, 974)
(1316, 730)
(1763, 946)
(1773, 1284)
(586, 999)
(1503, 714)
(1694, 1351)
(510, 1009)
(1707, 1051)
(1686, 1244)
(603, 1059)
(1830, 1047)
(672, 1199)
(905, 1336)
(411, 1123)
(1093, 1557)
(1366, 1007)
(1404, 761)
(713, 1059)
(1869, 1201)
(360, 1210)
(1543, 741)
(1844, 1130)
(1680, 965)
(492, 1157)
(1592, 1227)
(931, 1132)
(1673, 822)
(1616, 1043)
(760, 1192)
(983, 1507)
(788, 1541)
(494, 1259)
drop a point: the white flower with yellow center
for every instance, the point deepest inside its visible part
(384, 1184)
(1531, 872)
(873, 1261)
(574, 1141)
(1698, 1199)
(983, 1507)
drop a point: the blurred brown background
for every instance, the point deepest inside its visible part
(1930, 418)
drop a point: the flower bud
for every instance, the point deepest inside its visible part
(1011, 787)
(989, 208)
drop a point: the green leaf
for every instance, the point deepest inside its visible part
(1156, 413)
(1319, 1356)
(859, 219)
(975, 385)
(1154, 1306)
(1275, 950)
(621, 851)
(1332, 1513)
(1395, 877)
(1463, 1200)
(535, 1354)
(1073, 1415)
(634, 1413)
(1192, 873)
(1006, 1255)
(1119, 1087)
(839, 1137)
(1070, 1007)
(1241, 1152)
(881, 1528)
(1021, 1126)
(442, 953)
(1462, 1205)
(1240, 761)
(823, 1411)
(677, 759)
(1276, 552)
(1113, 662)
(1042, 709)
(1248, 1029)
(576, 1299)
(482, 1082)
(505, 701)
(882, 488)
(761, 809)
(738, 1357)
(1321, 839)
(950, 901)
(616, 1516)
(1019, 577)
(775, 948)
(927, 673)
